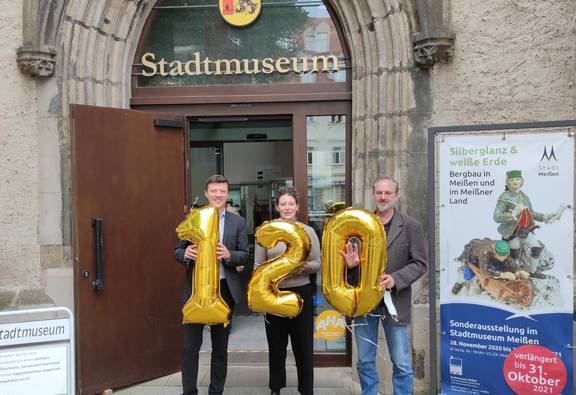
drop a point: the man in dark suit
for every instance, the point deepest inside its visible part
(407, 262)
(232, 251)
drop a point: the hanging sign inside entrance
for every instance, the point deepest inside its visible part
(240, 13)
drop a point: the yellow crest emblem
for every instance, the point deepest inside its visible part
(240, 12)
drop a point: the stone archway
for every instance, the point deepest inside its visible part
(382, 37)
(379, 37)
(93, 44)
(379, 34)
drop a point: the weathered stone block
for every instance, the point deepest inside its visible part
(419, 364)
(33, 297)
(6, 299)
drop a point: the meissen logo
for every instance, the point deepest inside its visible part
(548, 170)
(548, 156)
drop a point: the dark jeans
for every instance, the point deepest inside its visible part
(219, 357)
(300, 329)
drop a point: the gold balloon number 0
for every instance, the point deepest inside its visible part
(263, 293)
(353, 222)
(205, 305)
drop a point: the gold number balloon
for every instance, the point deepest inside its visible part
(353, 222)
(205, 305)
(263, 293)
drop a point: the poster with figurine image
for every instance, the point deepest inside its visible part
(504, 241)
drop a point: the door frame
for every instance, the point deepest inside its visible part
(298, 111)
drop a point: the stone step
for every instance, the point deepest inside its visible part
(251, 379)
(246, 358)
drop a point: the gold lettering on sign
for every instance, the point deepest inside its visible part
(267, 65)
(295, 65)
(206, 63)
(205, 66)
(324, 59)
(193, 62)
(255, 66)
(280, 63)
(162, 65)
(148, 61)
(176, 68)
(228, 63)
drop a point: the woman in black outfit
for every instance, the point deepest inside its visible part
(300, 328)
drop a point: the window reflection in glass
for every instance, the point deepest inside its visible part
(326, 147)
(196, 31)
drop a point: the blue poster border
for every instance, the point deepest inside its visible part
(433, 269)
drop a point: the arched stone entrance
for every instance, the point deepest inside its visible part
(95, 44)
(385, 78)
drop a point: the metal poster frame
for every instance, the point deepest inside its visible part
(434, 272)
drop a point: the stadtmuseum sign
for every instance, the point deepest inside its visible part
(206, 66)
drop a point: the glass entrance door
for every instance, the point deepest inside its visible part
(255, 154)
(326, 168)
(308, 148)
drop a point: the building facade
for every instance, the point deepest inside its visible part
(406, 65)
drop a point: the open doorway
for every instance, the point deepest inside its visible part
(256, 155)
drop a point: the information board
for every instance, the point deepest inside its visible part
(504, 215)
(37, 352)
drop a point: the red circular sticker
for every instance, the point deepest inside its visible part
(534, 370)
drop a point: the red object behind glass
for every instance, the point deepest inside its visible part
(228, 7)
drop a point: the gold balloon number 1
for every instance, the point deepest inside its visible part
(353, 222)
(263, 293)
(205, 306)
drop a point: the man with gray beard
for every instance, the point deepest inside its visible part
(407, 262)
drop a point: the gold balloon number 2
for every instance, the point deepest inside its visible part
(263, 293)
(353, 222)
(205, 306)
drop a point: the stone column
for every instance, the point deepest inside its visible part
(41, 20)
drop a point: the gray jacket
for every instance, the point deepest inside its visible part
(407, 261)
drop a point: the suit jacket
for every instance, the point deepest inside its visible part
(236, 240)
(407, 261)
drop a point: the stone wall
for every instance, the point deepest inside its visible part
(20, 278)
(514, 62)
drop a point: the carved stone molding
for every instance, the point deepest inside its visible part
(434, 43)
(37, 62)
(41, 22)
(437, 48)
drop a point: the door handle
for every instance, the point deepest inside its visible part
(98, 225)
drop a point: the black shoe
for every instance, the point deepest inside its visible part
(275, 392)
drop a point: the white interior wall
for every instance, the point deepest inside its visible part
(242, 159)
